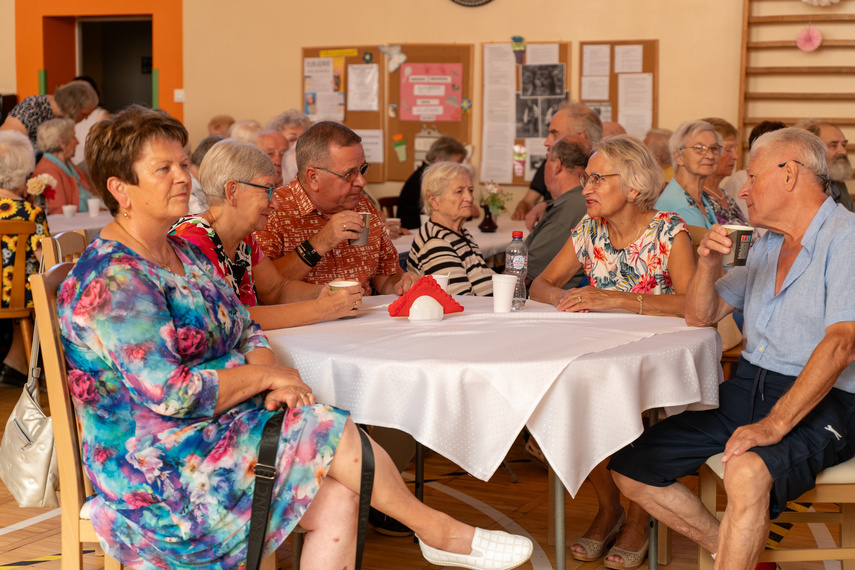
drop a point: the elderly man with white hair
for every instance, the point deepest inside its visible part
(839, 167)
(788, 413)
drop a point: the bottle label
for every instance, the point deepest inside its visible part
(518, 262)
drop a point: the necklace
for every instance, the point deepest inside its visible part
(156, 260)
(718, 194)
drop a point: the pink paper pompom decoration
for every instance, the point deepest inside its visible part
(809, 39)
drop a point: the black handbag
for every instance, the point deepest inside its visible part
(265, 476)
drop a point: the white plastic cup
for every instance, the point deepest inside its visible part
(69, 210)
(442, 280)
(741, 238)
(94, 205)
(503, 292)
(342, 284)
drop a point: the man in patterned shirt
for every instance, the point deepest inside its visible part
(307, 236)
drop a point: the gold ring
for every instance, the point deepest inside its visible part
(580, 299)
(344, 227)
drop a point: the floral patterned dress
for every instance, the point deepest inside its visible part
(20, 210)
(640, 268)
(174, 479)
(730, 215)
(237, 272)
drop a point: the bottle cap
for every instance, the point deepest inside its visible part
(516, 234)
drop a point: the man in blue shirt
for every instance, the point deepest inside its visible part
(788, 413)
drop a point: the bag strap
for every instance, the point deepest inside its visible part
(265, 477)
(365, 488)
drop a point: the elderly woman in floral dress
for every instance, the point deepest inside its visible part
(636, 259)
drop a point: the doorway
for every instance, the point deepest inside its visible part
(117, 55)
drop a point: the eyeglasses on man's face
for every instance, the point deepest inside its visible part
(595, 179)
(270, 189)
(702, 149)
(351, 174)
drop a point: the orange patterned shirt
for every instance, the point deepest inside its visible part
(297, 219)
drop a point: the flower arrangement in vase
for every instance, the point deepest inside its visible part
(41, 188)
(493, 199)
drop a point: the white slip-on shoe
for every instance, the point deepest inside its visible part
(491, 550)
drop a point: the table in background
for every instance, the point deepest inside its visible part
(490, 244)
(58, 223)
(467, 385)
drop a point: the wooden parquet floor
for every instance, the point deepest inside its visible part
(461, 495)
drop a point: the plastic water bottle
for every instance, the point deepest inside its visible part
(516, 263)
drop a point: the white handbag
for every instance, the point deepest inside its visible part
(27, 452)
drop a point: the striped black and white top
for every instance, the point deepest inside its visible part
(439, 250)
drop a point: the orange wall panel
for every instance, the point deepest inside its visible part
(35, 20)
(59, 50)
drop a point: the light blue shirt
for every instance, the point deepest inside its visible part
(784, 329)
(675, 199)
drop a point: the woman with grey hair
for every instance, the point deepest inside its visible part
(443, 246)
(695, 150)
(636, 259)
(74, 100)
(16, 163)
(57, 141)
(291, 124)
(238, 181)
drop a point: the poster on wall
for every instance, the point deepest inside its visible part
(323, 98)
(431, 92)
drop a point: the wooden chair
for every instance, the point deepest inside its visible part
(388, 205)
(74, 485)
(66, 246)
(17, 308)
(834, 485)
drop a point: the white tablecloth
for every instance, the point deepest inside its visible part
(58, 223)
(466, 386)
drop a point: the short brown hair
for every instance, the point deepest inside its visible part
(114, 146)
(722, 127)
(313, 146)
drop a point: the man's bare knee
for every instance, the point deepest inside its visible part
(747, 474)
(629, 487)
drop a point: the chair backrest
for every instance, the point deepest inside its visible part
(67, 246)
(72, 480)
(388, 204)
(22, 230)
(697, 233)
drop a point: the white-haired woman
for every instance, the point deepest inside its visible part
(443, 245)
(695, 150)
(57, 141)
(238, 181)
(75, 100)
(17, 160)
(637, 259)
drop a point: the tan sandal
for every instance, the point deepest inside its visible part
(594, 548)
(630, 559)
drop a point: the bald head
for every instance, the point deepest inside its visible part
(612, 128)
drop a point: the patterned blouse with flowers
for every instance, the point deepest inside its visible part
(730, 215)
(642, 267)
(237, 273)
(20, 210)
(174, 477)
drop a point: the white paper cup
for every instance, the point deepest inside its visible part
(342, 284)
(742, 238)
(442, 280)
(94, 205)
(363, 236)
(69, 210)
(503, 292)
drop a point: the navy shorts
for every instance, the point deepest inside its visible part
(679, 445)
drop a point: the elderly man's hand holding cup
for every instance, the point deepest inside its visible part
(345, 225)
(731, 242)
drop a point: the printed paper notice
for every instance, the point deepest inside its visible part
(628, 58)
(541, 54)
(596, 59)
(595, 87)
(536, 157)
(372, 144)
(431, 91)
(318, 75)
(497, 163)
(363, 87)
(635, 102)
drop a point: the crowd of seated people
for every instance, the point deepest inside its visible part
(268, 237)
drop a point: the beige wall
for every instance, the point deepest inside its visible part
(248, 62)
(7, 46)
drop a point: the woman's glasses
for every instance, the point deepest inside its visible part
(702, 149)
(594, 179)
(270, 189)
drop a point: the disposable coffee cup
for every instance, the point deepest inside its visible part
(363, 236)
(342, 284)
(503, 292)
(69, 210)
(94, 205)
(442, 280)
(741, 238)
